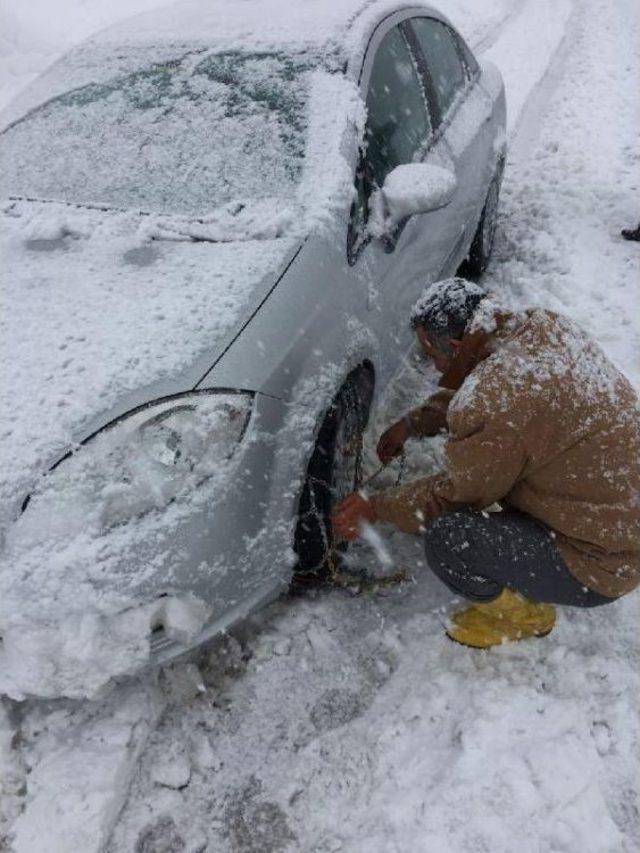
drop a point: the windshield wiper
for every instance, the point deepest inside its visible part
(199, 230)
(234, 222)
(231, 223)
(188, 235)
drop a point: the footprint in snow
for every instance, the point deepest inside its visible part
(336, 707)
(257, 826)
(160, 837)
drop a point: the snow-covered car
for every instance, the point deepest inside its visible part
(215, 219)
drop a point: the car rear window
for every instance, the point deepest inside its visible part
(440, 50)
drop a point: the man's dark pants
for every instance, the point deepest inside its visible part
(477, 554)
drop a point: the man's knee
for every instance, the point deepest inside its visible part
(447, 534)
(455, 549)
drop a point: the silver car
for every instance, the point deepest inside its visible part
(218, 216)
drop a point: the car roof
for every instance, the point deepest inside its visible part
(318, 26)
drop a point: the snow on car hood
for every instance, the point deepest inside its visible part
(94, 310)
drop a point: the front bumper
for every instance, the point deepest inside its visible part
(230, 551)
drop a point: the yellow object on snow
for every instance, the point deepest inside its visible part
(508, 617)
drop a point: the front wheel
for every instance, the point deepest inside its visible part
(333, 473)
(481, 249)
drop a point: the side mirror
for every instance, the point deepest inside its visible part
(408, 190)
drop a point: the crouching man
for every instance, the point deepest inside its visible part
(539, 422)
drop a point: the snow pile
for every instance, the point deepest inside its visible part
(88, 573)
(141, 464)
(336, 120)
(264, 219)
(88, 770)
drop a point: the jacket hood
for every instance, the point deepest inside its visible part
(95, 313)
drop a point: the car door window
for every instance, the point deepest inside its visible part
(442, 57)
(473, 69)
(398, 126)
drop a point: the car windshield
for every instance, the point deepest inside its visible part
(183, 136)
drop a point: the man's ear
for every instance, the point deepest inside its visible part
(422, 335)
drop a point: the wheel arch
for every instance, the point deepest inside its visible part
(309, 532)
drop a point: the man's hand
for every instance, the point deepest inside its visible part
(392, 441)
(349, 515)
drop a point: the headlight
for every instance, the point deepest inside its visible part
(141, 462)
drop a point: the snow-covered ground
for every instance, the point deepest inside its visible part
(335, 722)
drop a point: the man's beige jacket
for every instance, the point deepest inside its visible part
(547, 425)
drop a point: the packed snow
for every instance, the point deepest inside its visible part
(342, 722)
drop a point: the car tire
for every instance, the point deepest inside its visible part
(332, 473)
(481, 249)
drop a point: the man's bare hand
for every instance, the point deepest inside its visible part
(349, 515)
(392, 441)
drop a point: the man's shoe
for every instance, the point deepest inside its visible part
(505, 619)
(631, 233)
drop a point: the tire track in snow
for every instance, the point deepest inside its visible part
(524, 66)
(527, 124)
(485, 42)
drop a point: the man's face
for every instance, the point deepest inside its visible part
(440, 356)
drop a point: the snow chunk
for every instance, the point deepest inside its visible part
(183, 618)
(77, 653)
(417, 188)
(172, 770)
(81, 761)
(373, 538)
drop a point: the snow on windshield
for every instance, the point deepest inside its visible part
(184, 135)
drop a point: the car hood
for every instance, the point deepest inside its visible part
(97, 318)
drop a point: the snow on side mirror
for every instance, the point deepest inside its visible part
(408, 190)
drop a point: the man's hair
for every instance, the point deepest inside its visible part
(445, 308)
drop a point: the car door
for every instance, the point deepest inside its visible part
(463, 112)
(399, 130)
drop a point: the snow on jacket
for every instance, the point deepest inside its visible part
(547, 425)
